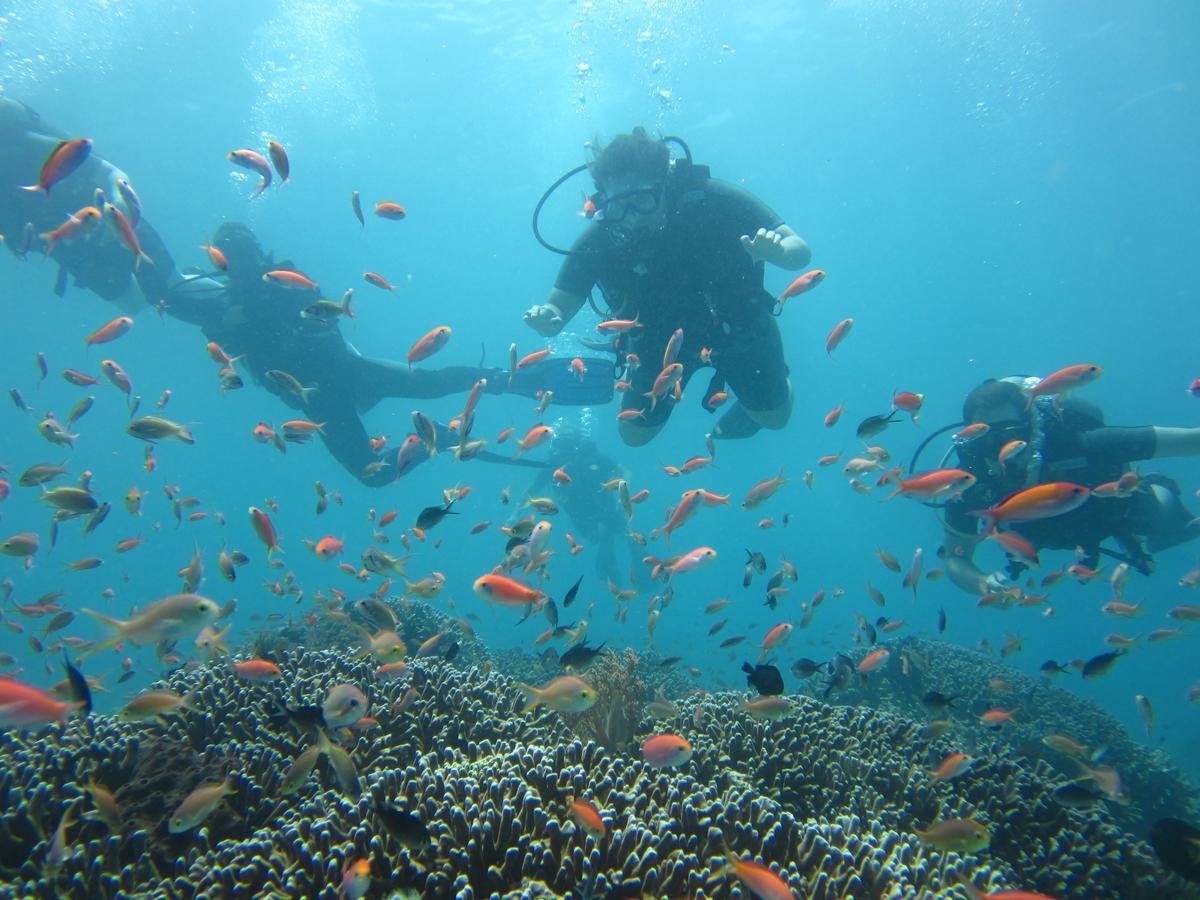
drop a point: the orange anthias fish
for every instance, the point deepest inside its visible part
(125, 235)
(428, 345)
(763, 490)
(374, 278)
(874, 661)
(109, 332)
(618, 326)
(386, 209)
(290, 279)
(255, 162)
(940, 483)
(838, 334)
(831, 417)
(908, 402)
(508, 592)
(24, 706)
(534, 437)
(280, 160)
(801, 285)
(77, 224)
(587, 817)
(759, 879)
(1042, 501)
(256, 670)
(265, 530)
(1060, 383)
(62, 161)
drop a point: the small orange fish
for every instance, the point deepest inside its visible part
(428, 345)
(110, 332)
(1042, 501)
(940, 484)
(971, 432)
(290, 279)
(77, 224)
(125, 235)
(64, 159)
(1060, 383)
(874, 661)
(587, 817)
(280, 160)
(618, 326)
(578, 369)
(801, 285)
(216, 257)
(386, 209)
(995, 718)
(535, 357)
(256, 670)
(255, 162)
(535, 437)
(838, 335)
(374, 278)
(831, 417)
(716, 398)
(328, 547)
(265, 530)
(763, 490)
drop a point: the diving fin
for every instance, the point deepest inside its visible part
(593, 388)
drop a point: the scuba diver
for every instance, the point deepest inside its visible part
(246, 315)
(1067, 442)
(593, 511)
(674, 248)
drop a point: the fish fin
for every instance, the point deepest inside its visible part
(534, 696)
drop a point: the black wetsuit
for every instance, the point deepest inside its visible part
(695, 275)
(250, 318)
(1077, 447)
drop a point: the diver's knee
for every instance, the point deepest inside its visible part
(776, 417)
(635, 435)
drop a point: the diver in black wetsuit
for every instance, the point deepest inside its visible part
(594, 513)
(260, 321)
(677, 249)
(1064, 442)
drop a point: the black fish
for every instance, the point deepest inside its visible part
(96, 518)
(670, 661)
(873, 425)
(452, 651)
(772, 601)
(869, 630)
(125, 676)
(757, 561)
(305, 718)
(1098, 665)
(938, 701)
(550, 610)
(18, 400)
(1050, 667)
(80, 692)
(406, 828)
(764, 679)
(580, 656)
(516, 541)
(570, 597)
(1177, 845)
(1076, 795)
(431, 515)
(805, 667)
(732, 641)
(941, 621)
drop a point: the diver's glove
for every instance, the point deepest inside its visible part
(766, 245)
(545, 318)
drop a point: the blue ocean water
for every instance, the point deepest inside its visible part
(1002, 189)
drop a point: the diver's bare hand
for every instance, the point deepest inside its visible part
(766, 245)
(545, 319)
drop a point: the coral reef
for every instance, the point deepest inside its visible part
(981, 682)
(829, 797)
